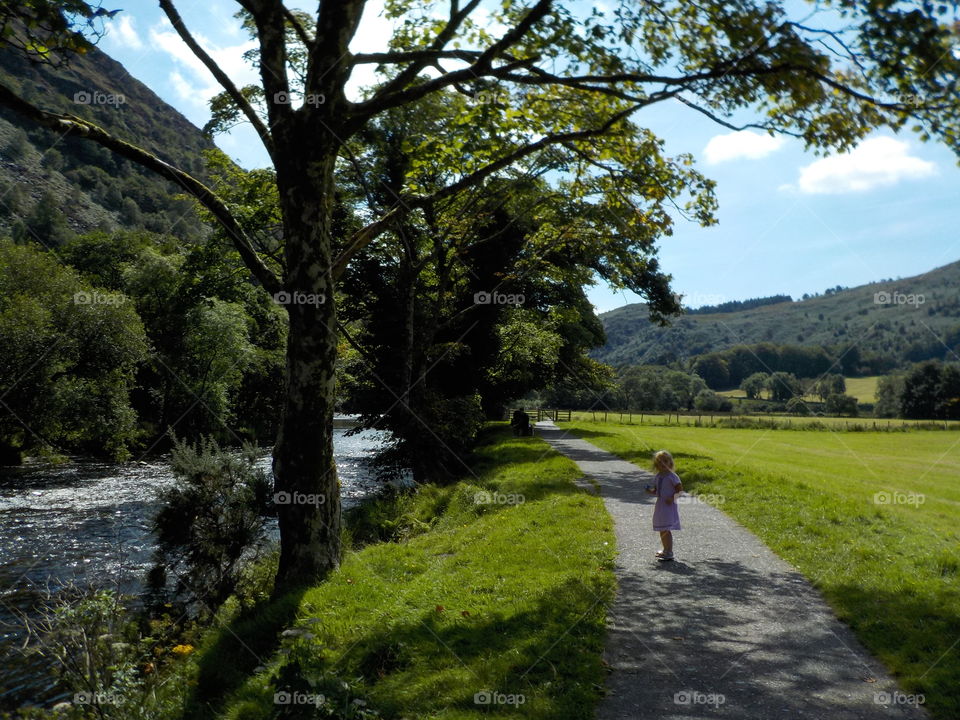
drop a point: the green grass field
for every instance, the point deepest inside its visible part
(458, 597)
(888, 564)
(864, 389)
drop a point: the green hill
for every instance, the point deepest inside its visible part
(51, 186)
(889, 323)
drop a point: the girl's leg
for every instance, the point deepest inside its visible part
(666, 539)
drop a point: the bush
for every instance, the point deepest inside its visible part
(709, 401)
(840, 404)
(213, 522)
(798, 406)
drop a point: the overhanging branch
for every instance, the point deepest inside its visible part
(70, 125)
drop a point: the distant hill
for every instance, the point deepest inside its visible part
(891, 323)
(43, 176)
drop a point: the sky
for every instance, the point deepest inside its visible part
(789, 221)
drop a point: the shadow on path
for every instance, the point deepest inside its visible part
(726, 630)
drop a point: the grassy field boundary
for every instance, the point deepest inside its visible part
(763, 421)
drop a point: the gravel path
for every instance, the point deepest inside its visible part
(726, 630)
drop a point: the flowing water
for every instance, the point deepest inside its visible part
(89, 522)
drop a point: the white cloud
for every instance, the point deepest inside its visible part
(192, 81)
(122, 33)
(876, 162)
(740, 144)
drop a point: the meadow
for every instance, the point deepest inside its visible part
(871, 518)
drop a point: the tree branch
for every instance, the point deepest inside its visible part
(268, 17)
(297, 27)
(225, 82)
(408, 74)
(392, 95)
(364, 236)
(70, 125)
(389, 58)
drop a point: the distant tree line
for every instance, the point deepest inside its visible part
(929, 391)
(735, 305)
(637, 387)
(727, 369)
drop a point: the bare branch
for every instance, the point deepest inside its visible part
(393, 95)
(389, 58)
(70, 125)
(408, 74)
(297, 27)
(225, 82)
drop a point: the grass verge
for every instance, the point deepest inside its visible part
(486, 595)
(870, 518)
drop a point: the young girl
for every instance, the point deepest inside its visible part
(666, 517)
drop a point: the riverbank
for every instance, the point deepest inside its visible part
(89, 523)
(489, 592)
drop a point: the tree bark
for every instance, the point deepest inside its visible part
(306, 484)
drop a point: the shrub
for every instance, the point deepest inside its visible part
(212, 522)
(840, 404)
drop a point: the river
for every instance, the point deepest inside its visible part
(89, 522)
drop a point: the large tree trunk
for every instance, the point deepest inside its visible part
(306, 484)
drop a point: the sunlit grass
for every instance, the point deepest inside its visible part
(508, 597)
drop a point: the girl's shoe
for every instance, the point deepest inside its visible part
(662, 556)
(659, 553)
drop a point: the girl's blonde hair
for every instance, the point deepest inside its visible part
(662, 460)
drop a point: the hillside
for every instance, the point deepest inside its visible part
(888, 334)
(55, 186)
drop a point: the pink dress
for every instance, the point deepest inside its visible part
(666, 516)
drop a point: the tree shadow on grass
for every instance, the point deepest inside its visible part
(550, 654)
(239, 647)
(912, 631)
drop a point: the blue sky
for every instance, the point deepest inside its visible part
(789, 221)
